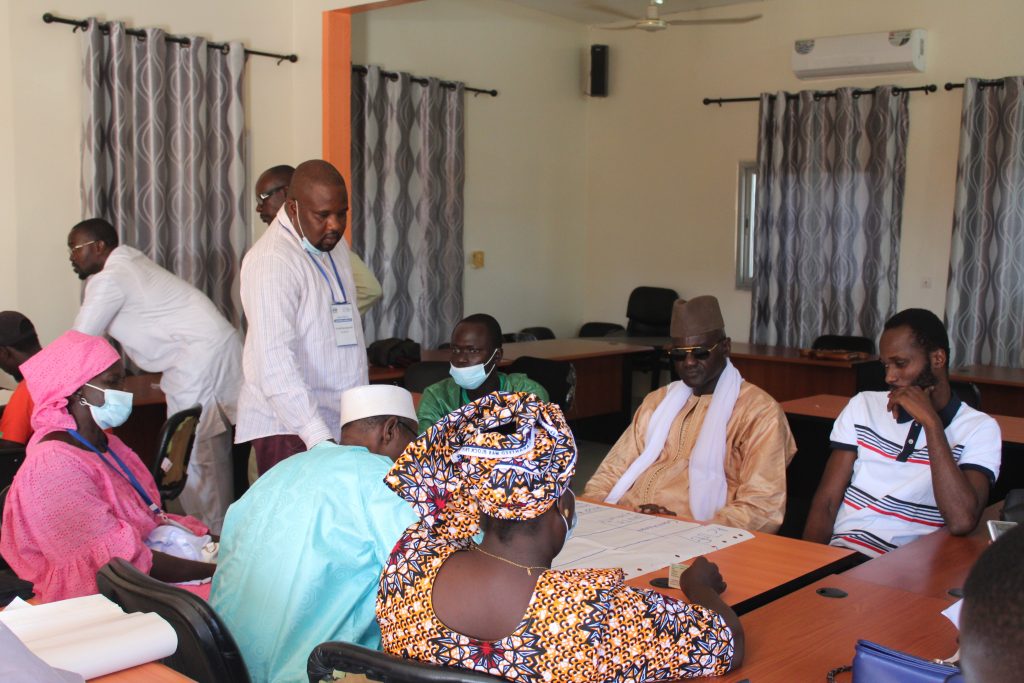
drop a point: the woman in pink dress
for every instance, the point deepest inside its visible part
(82, 496)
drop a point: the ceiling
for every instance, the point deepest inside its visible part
(584, 12)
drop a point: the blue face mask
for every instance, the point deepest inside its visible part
(473, 376)
(306, 244)
(569, 528)
(117, 406)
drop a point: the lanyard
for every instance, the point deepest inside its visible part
(124, 472)
(337, 277)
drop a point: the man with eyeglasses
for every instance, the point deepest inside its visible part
(166, 325)
(475, 354)
(710, 447)
(303, 550)
(271, 189)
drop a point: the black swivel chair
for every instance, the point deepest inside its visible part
(10, 461)
(558, 377)
(511, 337)
(327, 658)
(840, 342)
(538, 332)
(649, 311)
(600, 329)
(206, 651)
(968, 392)
(174, 450)
(419, 376)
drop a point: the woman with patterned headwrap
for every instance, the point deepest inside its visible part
(82, 497)
(504, 464)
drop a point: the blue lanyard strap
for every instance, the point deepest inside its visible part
(344, 298)
(124, 471)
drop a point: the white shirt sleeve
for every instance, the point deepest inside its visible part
(104, 297)
(983, 449)
(844, 430)
(269, 292)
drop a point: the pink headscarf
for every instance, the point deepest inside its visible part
(57, 371)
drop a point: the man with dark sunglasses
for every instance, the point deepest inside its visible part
(710, 447)
(271, 190)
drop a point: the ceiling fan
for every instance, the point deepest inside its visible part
(652, 22)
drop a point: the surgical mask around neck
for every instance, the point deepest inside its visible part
(473, 376)
(306, 244)
(117, 406)
(570, 528)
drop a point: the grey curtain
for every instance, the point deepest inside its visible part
(985, 296)
(829, 205)
(408, 172)
(163, 153)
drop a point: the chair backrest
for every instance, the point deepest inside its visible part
(10, 461)
(419, 376)
(381, 666)
(599, 329)
(870, 376)
(511, 337)
(650, 311)
(538, 332)
(558, 377)
(206, 651)
(175, 446)
(968, 392)
(841, 342)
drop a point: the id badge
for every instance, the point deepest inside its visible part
(344, 320)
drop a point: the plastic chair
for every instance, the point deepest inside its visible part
(840, 342)
(175, 446)
(558, 377)
(538, 332)
(206, 651)
(599, 329)
(968, 392)
(650, 311)
(419, 376)
(326, 658)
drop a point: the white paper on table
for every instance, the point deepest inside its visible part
(953, 613)
(608, 537)
(91, 635)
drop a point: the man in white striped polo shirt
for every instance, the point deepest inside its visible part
(908, 461)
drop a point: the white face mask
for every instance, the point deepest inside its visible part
(306, 244)
(117, 406)
(473, 376)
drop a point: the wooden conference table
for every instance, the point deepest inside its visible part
(1002, 389)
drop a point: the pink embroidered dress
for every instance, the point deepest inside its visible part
(68, 513)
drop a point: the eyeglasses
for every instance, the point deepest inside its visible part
(680, 353)
(410, 429)
(72, 250)
(264, 196)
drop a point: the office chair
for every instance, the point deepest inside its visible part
(174, 446)
(419, 376)
(206, 651)
(10, 585)
(649, 311)
(558, 377)
(326, 658)
(968, 392)
(511, 337)
(538, 332)
(10, 461)
(840, 342)
(599, 329)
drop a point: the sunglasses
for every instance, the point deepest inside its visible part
(264, 196)
(680, 353)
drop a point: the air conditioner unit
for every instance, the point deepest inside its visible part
(861, 53)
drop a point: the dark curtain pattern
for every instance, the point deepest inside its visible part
(408, 172)
(829, 205)
(163, 153)
(985, 296)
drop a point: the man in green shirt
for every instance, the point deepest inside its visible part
(476, 352)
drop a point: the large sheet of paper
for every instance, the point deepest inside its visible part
(608, 537)
(91, 635)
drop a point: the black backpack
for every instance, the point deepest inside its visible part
(393, 353)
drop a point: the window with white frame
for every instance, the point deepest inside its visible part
(746, 204)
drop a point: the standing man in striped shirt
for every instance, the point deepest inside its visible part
(305, 342)
(907, 461)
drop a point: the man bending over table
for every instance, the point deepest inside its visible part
(711, 447)
(910, 460)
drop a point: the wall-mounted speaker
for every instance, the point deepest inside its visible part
(597, 83)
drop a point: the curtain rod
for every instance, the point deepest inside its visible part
(392, 76)
(930, 88)
(995, 83)
(139, 33)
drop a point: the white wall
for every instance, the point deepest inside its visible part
(661, 195)
(40, 119)
(525, 156)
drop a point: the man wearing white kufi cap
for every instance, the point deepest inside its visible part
(710, 447)
(302, 551)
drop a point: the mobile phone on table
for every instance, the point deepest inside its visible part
(997, 528)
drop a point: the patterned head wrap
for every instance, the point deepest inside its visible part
(57, 371)
(461, 466)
